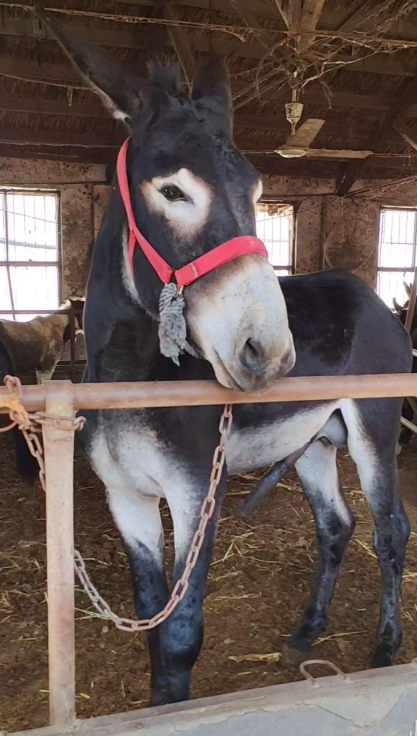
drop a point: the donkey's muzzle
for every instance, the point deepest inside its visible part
(256, 371)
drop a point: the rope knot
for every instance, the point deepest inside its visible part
(172, 329)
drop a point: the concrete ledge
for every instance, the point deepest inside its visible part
(370, 703)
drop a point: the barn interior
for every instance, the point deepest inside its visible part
(341, 195)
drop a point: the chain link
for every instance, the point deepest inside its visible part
(28, 424)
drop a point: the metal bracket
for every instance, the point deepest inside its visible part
(315, 681)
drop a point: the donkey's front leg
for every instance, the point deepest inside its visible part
(139, 521)
(182, 633)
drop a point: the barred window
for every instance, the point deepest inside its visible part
(29, 253)
(274, 226)
(396, 253)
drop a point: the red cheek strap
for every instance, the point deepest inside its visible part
(218, 256)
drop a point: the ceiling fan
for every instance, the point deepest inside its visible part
(298, 144)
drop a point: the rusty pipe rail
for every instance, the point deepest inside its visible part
(206, 393)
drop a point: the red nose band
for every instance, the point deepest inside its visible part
(216, 257)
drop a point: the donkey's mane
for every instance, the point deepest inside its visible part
(166, 74)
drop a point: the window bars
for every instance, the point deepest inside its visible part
(29, 253)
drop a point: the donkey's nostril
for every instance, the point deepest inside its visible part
(252, 355)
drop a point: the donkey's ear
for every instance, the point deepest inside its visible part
(118, 88)
(408, 289)
(211, 86)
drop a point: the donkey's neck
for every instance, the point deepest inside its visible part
(121, 338)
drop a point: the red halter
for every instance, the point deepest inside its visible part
(218, 256)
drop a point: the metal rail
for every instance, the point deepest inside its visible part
(153, 394)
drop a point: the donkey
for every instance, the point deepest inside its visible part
(38, 345)
(183, 189)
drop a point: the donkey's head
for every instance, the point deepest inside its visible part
(191, 190)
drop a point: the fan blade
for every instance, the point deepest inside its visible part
(305, 134)
(342, 153)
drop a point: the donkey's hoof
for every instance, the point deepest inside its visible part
(292, 657)
(381, 658)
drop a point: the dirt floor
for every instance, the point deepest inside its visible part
(258, 581)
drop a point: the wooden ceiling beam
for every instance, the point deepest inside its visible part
(310, 15)
(64, 73)
(181, 42)
(38, 133)
(294, 15)
(405, 134)
(73, 155)
(350, 172)
(264, 8)
(92, 107)
(128, 37)
(282, 7)
(56, 138)
(359, 16)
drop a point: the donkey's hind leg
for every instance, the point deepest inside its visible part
(334, 526)
(373, 427)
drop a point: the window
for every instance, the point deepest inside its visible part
(29, 253)
(396, 253)
(274, 226)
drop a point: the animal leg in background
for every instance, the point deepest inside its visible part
(42, 376)
(317, 472)
(372, 445)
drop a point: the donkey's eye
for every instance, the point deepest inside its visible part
(172, 193)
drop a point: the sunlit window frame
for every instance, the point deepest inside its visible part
(288, 269)
(10, 314)
(395, 269)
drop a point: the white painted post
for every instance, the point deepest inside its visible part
(59, 465)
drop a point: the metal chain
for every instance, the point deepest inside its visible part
(180, 588)
(27, 423)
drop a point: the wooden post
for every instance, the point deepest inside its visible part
(72, 342)
(59, 461)
(411, 304)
